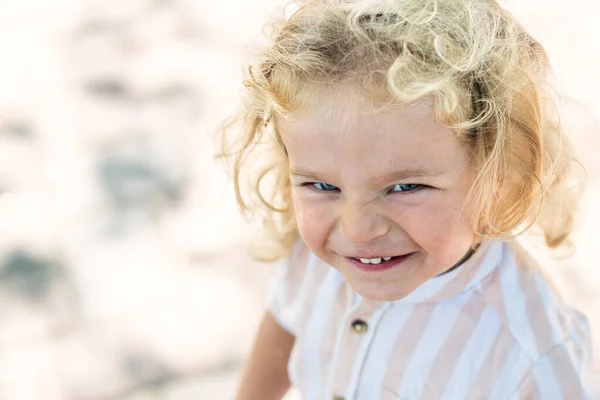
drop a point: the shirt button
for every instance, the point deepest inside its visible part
(359, 326)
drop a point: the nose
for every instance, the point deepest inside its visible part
(361, 223)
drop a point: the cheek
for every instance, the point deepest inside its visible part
(438, 224)
(314, 220)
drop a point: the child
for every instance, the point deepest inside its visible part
(411, 143)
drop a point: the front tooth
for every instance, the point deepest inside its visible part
(387, 258)
(375, 260)
(365, 260)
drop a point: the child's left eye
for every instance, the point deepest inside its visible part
(405, 187)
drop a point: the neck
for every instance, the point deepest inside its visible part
(464, 258)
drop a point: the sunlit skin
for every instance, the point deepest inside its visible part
(371, 185)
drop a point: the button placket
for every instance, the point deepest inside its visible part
(355, 341)
(366, 328)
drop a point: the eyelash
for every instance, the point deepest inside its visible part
(313, 186)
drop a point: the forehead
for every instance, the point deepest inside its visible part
(337, 138)
(337, 120)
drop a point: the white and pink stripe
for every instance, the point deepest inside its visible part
(493, 328)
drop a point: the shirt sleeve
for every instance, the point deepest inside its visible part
(564, 372)
(285, 289)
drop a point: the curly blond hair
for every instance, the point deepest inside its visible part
(486, 74)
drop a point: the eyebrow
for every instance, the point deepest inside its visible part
(396, 176)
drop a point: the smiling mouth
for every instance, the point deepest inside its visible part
(378, 263)
(376, 260)
(379, 260)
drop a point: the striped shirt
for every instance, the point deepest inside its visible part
(493, 328)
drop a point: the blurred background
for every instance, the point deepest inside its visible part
(123, 270)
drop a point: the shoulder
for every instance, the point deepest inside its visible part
(562, 372)
(553, 338)
(530, 305)
(297, 279)
(562, 333)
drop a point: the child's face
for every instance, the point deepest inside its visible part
(379, 185)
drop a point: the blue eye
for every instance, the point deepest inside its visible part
(404, 187)
(326, 187)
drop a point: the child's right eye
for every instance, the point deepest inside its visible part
(326, 187)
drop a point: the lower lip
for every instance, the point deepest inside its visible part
(382, 266)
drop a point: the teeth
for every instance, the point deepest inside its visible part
(387, 258)
(370, 260)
